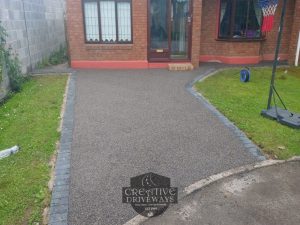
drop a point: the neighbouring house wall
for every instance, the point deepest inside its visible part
(35, 28)
(212, 49)
(295, 34)
(123, 53)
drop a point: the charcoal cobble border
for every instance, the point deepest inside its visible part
(59, 206)
(252, 148)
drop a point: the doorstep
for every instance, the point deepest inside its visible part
(180, 66)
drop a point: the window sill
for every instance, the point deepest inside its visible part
(241, 39)
(108, 46)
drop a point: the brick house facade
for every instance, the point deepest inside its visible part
(191, 32)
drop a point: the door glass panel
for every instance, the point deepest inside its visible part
(180, 18)
(159, 24)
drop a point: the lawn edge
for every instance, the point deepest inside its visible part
(249, 145)
(54, 155)
(59, 206)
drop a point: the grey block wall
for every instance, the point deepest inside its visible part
(4, 84)
(35, 28)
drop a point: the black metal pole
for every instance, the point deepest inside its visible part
(277, 53)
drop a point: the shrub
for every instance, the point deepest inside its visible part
(59, 56)
(56, 57)
(14, 73)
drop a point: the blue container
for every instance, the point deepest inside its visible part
(245, 75)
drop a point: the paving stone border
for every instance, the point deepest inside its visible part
(59, 206)
(248, 144)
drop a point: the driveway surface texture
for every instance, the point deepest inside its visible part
(128, 123)
(268, 195)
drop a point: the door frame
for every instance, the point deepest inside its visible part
(190, 31)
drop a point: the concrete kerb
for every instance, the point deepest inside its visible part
(59, 206)
(138, 220)
(239, 170)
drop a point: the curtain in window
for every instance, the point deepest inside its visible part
(223, 10)
(225, 18)
(258, 11)
(179, 13)
(108, 21)
(91, 21)
(124, 21)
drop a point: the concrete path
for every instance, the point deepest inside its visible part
(129, 123)
(268, 196)
(56, 69)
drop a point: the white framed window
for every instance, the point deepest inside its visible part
(107, 21)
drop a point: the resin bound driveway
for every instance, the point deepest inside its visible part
(127, 123)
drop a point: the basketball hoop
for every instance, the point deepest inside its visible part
(268, 8)
(283, 116)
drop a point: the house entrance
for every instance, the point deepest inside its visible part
(169, 30)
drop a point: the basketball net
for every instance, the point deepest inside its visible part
(268, 8)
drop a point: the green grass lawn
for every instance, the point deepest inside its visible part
(30, 119)
(243, 102)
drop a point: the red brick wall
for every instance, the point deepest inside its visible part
(196, 32)
(257, 49)
(103, 52)
(268, 47)
(204, 34)
(295, 33)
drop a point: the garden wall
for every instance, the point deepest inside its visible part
(4, 83)
(35, 28)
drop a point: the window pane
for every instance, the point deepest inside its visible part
(159, 24)
(124, 21)
(91, 21)
(179, 32)
(247, 19)
(255, 19)
(240, 19)
(243, 22)
(225, 18)
(108, 21)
